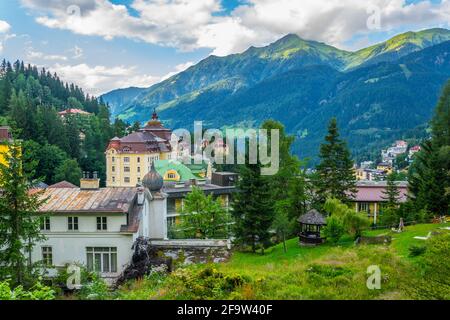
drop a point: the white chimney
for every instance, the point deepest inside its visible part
(140, 196)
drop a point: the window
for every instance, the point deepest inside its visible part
(139, 180)
(45, 224)
(126, 169)
(113, 179)
(139, 159)
(102, 259)
(138, 169)
(171, 206)
(126, 149)
(113, 159)
(363, 207)
(126, 159)
(47, 256)
(171, 221)
(72, 223)
(102, 223)
(171, 176)
(113, 168)
(126, 179)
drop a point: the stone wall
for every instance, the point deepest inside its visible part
(194, 251)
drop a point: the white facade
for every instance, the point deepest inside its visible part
(101, 241)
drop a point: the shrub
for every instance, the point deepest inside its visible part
(95, 289)
(415, 250)
(355, 223)
(352, 221)
(37, 292)
(334, 229)
(206, 283)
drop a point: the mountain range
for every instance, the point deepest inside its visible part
(378, 94)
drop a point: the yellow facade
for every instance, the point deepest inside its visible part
(373, 210)
(3, 149)
(171, 175)
(386, 169)
(128, 170)
(360, 174)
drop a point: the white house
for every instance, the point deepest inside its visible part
(97, 227)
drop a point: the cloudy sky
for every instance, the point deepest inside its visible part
(108, 44)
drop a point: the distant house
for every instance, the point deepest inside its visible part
(369, 197)
(369, 174)
(385, 167)
(413, 151)
(69, 112)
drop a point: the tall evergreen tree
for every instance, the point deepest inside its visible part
(429, 175)
(252, 209)
(391, 194)
(335, 174)
(19, 228)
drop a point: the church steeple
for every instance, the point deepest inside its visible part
(154, 115)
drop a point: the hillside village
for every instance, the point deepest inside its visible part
(395, 158)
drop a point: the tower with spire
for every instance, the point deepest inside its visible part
(129, 158)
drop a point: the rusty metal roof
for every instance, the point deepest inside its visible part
(69, 200)
(62, 184)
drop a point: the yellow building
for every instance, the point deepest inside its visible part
(386, 167)
(129, 158)
(370, 197)
(5, 136)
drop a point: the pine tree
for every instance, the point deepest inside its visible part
(19, 228)
(391, 194)
(429, 175)
(252, 209)
(335, 173)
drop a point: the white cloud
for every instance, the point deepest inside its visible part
(4, 26)
(32, 55)
(100, 79)
(190, 25)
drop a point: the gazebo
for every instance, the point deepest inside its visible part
(310, 225)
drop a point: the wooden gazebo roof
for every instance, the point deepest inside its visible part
(312, 217)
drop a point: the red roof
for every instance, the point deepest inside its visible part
(373, 192)
(5, 134)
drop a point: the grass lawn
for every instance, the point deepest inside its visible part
(323, 272)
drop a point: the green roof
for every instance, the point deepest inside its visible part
(197, 168)
(162, 166)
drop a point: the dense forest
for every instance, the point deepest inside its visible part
(57, 148)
